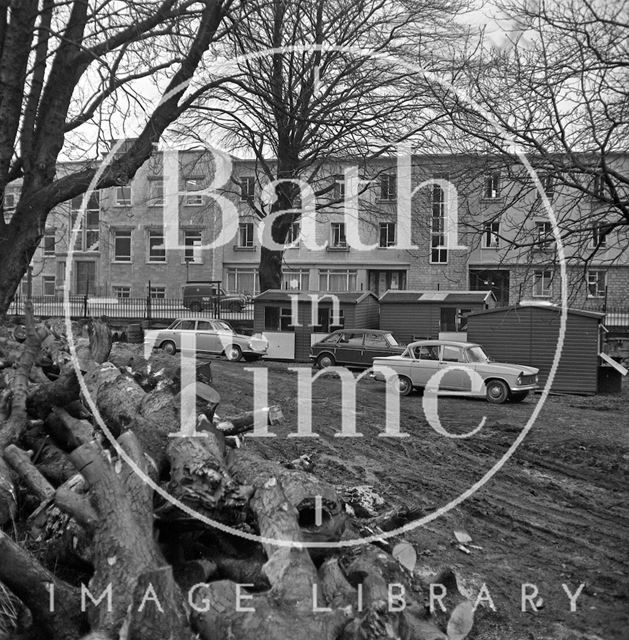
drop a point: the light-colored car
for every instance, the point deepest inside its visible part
(210, 336)
(424, 358)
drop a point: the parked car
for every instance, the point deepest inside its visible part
(199, 296)
(354, 347)
(212, 336)
(424, 358)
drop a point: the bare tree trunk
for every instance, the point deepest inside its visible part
(270, 269)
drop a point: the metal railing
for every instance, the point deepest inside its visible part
(125, 309)
(615, 315)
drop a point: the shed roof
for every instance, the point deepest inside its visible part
(450, 297)
(541, 305)
(285, 295)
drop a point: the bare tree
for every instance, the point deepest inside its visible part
(557, 88)
(71, 69)
(318, 81)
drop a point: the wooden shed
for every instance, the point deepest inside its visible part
(527, 334)
(416, 315)
(314, 310)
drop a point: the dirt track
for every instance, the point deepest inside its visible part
(557, 512)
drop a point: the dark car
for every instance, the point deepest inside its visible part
(199, 296)
(354, 347)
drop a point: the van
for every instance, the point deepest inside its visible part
(202, 296)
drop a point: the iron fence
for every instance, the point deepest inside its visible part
(167, 309)
(125, 309)
(615, 315)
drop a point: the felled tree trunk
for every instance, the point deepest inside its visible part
(38, 588)
(124, 548)
(12, 428)
(286, 611)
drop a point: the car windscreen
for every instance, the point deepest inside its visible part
(391, 340)
(219, 325)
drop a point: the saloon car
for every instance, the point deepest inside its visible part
(208, 336)
(501, 382)
(354, 347)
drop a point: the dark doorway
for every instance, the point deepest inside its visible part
(494, 280)
(381, 281)
(85, 277)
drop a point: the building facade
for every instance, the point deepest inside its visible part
(209, 207)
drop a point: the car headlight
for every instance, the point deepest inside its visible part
(258, 345)
(519, 379)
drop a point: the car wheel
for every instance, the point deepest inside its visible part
(195, 307)
(233, 353)
(518, 396)
(169, 347)
(404, 385)
(325, 360)
(497, 391)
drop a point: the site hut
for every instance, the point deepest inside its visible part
(293, 320)
(421, 315)
(527, 333)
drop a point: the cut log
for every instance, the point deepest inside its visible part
(47, 456)
(21, 463)
(157, 608)
(15, 426)
(375, 571)
(100, 340)
(246, 421)
(199, 477)
(321, 516)
(33, 585)
(11, 429)
(69, 432)
(124, 546)
(59, 392)
(8, 498)
(286, 611)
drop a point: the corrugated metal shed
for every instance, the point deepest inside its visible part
(528, 334)
(285, 295)
(359, 310)
(419, 314)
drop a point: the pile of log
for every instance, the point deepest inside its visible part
(88, 547)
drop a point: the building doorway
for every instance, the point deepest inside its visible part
(382, 280)
(494, 280)
(85, 278)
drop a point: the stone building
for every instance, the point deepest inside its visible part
(192, 215)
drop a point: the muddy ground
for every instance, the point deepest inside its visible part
(555, 513)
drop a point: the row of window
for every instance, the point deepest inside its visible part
(332, 280)
(88, 238)
(491, 190)
(543, 237)
(596, 282)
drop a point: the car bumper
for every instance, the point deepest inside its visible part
(523, 387)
